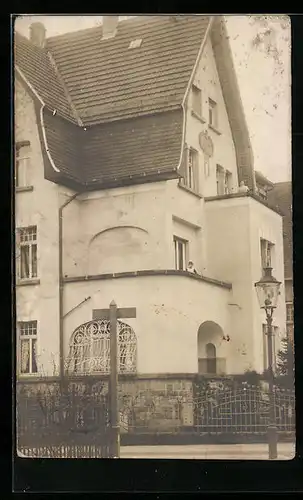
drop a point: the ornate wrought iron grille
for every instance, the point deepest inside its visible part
(90, 348)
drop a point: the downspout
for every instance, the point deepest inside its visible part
(61, 285)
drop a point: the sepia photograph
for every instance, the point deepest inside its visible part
(153, 237)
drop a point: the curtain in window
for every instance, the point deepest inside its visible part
(34, 261)
(34, 356)
(24, 266)
(25, 356)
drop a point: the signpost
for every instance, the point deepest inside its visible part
(113, 314)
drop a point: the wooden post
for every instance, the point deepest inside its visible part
(115, 431)
(112, 314)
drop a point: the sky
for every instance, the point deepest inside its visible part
(261, 47)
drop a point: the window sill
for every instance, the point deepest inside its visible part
(189, 190)
(27, 377)
(214, 129)
(22, 189)
(29, 281)
(199, 117)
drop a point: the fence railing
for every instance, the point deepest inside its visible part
(76, 423)
(241, 411)
(63, 423)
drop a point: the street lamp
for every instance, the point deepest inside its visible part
(268, 292)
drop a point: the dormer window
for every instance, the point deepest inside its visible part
(196, 100)
(134, 44)
(22, 164)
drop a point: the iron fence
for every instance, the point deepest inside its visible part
(228, 411)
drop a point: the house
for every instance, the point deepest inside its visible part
(281, 197)
(131, 144)
(263, 185)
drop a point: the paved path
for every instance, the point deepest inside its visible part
(286, 451)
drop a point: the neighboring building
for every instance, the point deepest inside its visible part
(263, 185)
(280, 197)
(130, 148)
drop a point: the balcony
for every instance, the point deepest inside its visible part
(212, 366)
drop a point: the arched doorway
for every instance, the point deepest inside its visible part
(89, 349)
(210, 336)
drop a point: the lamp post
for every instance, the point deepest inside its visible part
(268, 292)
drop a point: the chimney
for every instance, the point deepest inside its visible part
(110, 24)
(37, 33)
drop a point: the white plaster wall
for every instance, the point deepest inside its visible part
(234, 227)
(184, 206)
(207, 79)
(38, 207)
(170, 310)
(121, 229)
(265, 223)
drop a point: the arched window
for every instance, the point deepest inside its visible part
(89, 351)
(211, 357)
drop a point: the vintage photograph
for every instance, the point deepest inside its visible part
(153, 237)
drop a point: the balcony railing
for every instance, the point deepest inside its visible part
(212, 366)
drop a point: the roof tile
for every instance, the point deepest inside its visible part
(107, 80)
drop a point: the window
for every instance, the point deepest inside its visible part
(89, 350)
(266, 253)
(28, 252)
(227, 182)
(191, 174)
(180, 253)
(211, 359)
(28, 347)
(22, 164)
(265, 346)
(212, 116)
(196, 100)
(220, 178)
(289, 312)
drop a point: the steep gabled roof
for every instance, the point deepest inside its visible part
(94, 83)
(37, 67)
(280, 197)
(133, 150)
(107, 80)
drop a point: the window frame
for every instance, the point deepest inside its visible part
(220, 182)
(267, 259)
(32, 245)
(290, 307)
(212, 113)
(227, 182)
(24, 161)
(197, 100)
(180, 241)
(191, 178)
(23, 328)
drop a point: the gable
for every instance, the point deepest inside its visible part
(222, 151)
